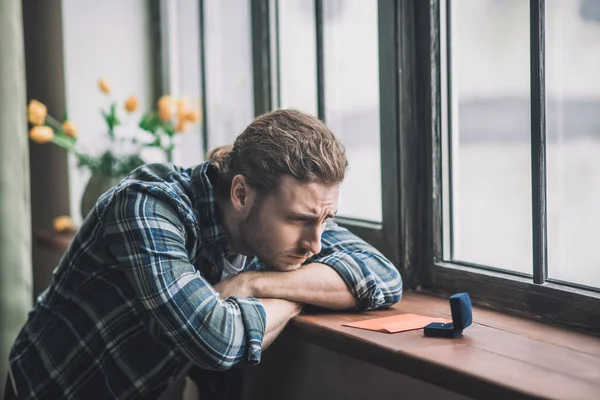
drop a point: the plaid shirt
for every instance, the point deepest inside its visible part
(131, 302)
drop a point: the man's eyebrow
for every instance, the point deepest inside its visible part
(309, 217)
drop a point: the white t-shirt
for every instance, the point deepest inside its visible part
(234, 267)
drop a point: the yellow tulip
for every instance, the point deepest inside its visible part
(181, 126)
(37, 112)
(182, 109)
(63, 224)
(70, 129)
(131, 104)
(182, 105)
(193, 116)
(104, 86)
(165, 108)
(41, 134)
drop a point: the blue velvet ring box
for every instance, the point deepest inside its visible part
(462, 317)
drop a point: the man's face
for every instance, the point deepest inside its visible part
(284, 228)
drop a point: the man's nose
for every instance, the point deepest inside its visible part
(312, 240)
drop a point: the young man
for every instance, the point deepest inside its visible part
(203, 265)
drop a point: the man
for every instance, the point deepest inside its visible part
(200, 266)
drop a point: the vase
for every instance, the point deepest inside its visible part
(95, 187)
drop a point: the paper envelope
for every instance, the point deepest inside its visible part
(395, 323)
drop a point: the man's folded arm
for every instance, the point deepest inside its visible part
(373, 280)
(147, 240)
(347, 274)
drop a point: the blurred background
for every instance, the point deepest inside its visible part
(204, 54)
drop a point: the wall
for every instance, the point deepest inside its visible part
(294, 369)
(15, 233)
(42, 27)
(109, 39)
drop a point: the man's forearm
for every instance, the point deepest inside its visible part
(279, 312)
(315, 284)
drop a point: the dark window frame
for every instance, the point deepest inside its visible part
(411, 231)
(206, 145)
(383, 235)
(569, 305)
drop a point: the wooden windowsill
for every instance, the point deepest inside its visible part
(499, 356)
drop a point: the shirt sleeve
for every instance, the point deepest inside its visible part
(372, 278)
(147, 237)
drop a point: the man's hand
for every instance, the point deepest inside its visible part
(238, 286)
(279, 312)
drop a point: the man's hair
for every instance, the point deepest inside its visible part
(282, 142)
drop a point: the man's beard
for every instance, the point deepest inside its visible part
(255, 243)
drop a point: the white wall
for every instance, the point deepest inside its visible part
(108, 39)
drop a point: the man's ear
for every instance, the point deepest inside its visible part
(242, 195)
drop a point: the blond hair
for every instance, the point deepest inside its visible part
(282, 142)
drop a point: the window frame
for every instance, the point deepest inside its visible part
(411, 108)
(540, 298)
(162, 15)
(383, 235)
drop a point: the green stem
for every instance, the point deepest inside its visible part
(64, 143)
(51, 121)
(149, 144)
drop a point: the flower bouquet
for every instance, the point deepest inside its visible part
(160, 127)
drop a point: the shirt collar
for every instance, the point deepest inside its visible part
(210, 228)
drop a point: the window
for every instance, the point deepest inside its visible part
(510, 125)
(471, 126)
(207, 57)
(351, 106)
(350, 97)
(488, 159)
(182, 44)
(487, 143)
(573, 129)
(327, 62)
(228, 69)
(297, 55)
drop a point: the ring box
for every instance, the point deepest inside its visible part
(462, 317)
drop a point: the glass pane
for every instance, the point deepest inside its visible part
(228, 52)
(573, 128)
(352, 100)
(298, 55)
(185, 77)
(491, 171)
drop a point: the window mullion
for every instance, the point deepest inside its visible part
(320, 60)
(261, 55)
(389, 118)
(538, 140)
(203, 90)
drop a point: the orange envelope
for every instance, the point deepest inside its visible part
(396, 323)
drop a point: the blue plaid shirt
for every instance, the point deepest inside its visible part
(132, 302)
